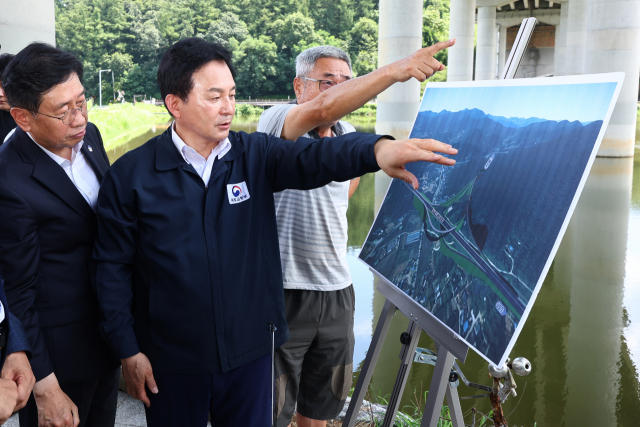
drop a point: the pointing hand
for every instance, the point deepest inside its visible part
(392, 156)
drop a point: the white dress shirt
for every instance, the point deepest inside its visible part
(200, 164)
(79, 171)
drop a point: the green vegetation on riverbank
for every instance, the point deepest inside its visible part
(120, 121)
(366, 114)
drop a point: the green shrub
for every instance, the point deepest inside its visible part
(248, 110)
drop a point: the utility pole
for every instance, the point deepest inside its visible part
(100, 83)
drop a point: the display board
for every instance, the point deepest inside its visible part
(473, 244)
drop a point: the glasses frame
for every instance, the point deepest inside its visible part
(320, 82)
(72, 111)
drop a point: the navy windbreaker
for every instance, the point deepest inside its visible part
(190, 274)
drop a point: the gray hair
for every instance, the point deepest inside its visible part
(307, 59)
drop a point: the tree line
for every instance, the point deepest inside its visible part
(130, 36)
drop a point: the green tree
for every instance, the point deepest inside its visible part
(227, 27)
(364, 46)
(120, 64)
(130, 36)
(435, 25)
(256, 61)
(187, 31)
(366, 9)
(333, 16)
(292, 30)
(364, 36)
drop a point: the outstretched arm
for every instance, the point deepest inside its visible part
(311, 163)
(337, 102)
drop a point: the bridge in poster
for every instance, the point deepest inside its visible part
(487, 273)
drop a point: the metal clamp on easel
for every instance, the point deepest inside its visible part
(449, 345)
(498, 394)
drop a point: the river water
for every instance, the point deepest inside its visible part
(583, 334)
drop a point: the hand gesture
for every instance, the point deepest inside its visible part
(8, 399)
(138, 373)
(421, 65)
(392, 156)
(17, 369)
(55, 409)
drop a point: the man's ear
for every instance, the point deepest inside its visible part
(298, 86)
(173, 104)
(22, 117)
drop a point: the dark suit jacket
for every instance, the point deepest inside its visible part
(46, 237)
(16, 340)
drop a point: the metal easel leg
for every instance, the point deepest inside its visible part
(455, 410)
(406, 356)
(438, 388)
(369, 363)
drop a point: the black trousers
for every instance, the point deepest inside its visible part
(96, 400)
(240, 397)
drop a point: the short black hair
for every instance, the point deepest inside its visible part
(5, 58)
(183, 59)
(34, 71)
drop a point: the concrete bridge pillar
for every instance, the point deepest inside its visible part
(486, 48)
(502, 48)
(26, 21)
(576, 37)
(461, 27)
(559, 54)
(400, 35)
(613, 44)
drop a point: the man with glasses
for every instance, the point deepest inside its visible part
(314, 368)
(50, 174)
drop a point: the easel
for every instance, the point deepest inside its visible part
(449, 345)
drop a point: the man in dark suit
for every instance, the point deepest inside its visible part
(50, 174)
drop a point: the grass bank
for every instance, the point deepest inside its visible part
(364, 115)
(120, 122)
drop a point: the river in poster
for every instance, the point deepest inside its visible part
(473, 244)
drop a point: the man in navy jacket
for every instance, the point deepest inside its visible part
(189, 276)
(16, 378)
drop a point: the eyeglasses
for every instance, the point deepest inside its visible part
(322, 84)
(69, 116)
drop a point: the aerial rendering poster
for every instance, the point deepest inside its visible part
(473, 244)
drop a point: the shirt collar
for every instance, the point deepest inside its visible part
(60, 160)
(222, 148)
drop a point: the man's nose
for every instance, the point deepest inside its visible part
(79, 119)
(227, 106)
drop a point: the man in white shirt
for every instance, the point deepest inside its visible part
(314, 368)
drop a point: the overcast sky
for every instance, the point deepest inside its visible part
(582, 102)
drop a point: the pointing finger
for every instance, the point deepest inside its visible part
(435, 48)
